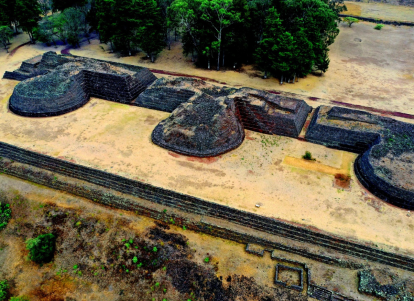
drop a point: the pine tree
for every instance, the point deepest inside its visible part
(151, 33)
(275, 51)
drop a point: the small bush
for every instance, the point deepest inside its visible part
(378, 26)
(307, 156)
(5, 215)
(4, 287)
(41, 248)
(206, 260)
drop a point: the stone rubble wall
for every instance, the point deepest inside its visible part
(183, 203)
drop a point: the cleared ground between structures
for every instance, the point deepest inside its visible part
(264, 170)
(368, 67)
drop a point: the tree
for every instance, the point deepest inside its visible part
(42, 248)
(28, 15)
(319, 24)
(59, 27)
(151, 28)
(350, 20)
(74, 21)
(45, 32)
(167, 26)
(275, 51)
(119, 23)
(303, 57)
(220, 15)
(337, 6)
(186, 14)
(61, 5)
(45, 6)
(8, 13)
(260, 10)
(6, 34)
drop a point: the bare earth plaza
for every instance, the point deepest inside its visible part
(149, 175)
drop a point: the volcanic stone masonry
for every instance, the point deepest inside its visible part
(55, 84)
(208, 120)
(386, 148)
(204, 126)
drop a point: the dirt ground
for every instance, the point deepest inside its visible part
(89, 234)
(100, 134)
(380, 10)
(368, 67)
(93, 262)
(248, 175)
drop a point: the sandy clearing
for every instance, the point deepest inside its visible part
(380, 10)
(116, 138)
(377, 72)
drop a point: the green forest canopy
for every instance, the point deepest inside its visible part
(285, 38)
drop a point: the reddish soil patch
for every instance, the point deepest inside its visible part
(207, 160)
(342, 181)
(174, 155)
(66, 50)
(185, 75)
(371, 109)
(248, 137)
(17, 48)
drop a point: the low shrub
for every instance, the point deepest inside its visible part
(378, 26)
(307, 156)
(41, 248)
(4, 288)
(5, 215)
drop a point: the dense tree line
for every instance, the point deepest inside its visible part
(285, 38)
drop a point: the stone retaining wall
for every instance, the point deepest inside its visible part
(366, 175)
(185, 203)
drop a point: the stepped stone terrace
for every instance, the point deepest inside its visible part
(265, 177)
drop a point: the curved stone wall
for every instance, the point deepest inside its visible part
(49, 105)
(203, 127)
(390, 193)
(383, 144)
(66, 83)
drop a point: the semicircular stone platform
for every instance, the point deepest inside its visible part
(55, 85)
(204, 126)
(386, 146)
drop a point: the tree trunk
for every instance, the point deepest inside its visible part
(294, 78)
(265, 75)
(31, 38)
(175, 29)
(218, 60)
(192, 56)
(223, 59)
(281, 79)
(208, 66)
(152, 58)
